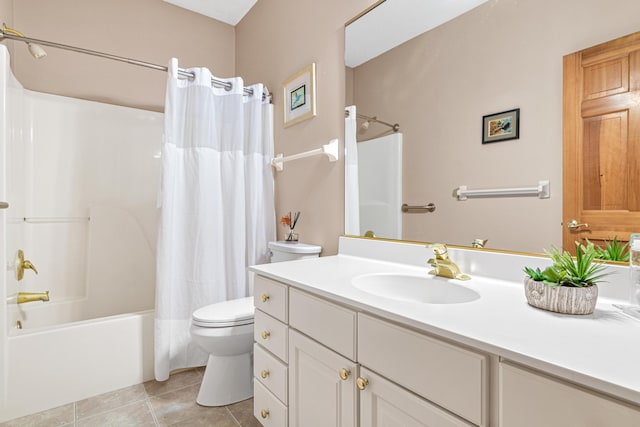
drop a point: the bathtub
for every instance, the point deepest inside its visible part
(81, 179)
(55, 365)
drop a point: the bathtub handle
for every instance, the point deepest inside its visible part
(22, 265)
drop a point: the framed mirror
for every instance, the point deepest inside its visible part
(439, 83)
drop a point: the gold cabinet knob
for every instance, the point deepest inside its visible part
(264, 413)
(264, 373)
(344, 373)
(362, 383)
(265, 335)
(264, 297)
(22, 265)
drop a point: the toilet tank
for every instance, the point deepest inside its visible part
(288, 251)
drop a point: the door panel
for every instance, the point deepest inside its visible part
(601, 141)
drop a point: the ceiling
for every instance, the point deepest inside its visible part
(378, 31)
(229, 11)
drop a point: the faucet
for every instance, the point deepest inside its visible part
(32, 296)
(443, 266)
(479, 243)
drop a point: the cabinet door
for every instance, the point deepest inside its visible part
(528, 399)
(318, 396)
(383, 403)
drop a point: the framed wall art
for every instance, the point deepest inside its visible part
(501, 126)
(300, 96)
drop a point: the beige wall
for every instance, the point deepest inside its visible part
(503, 54)
(275, 40)
(147, 30)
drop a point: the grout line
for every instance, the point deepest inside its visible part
(153, 413)
(232, 416)
(75, 414)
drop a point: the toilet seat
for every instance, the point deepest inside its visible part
(225, 314)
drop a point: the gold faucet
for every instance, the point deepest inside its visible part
(32, 296)
(443, 266)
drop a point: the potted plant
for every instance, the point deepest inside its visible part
(613, 251)
(569, 285)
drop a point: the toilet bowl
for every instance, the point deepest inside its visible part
(225, 331)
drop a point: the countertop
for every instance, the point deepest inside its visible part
(600, 351)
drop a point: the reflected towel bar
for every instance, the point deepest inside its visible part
(330, 149)
(418, 209)
(542, 191)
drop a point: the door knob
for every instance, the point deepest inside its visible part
(362, 383)
(264, 297)
(264, 374)
(574, 225)
(265, 335)
(264, 413)
(22, 265)
(344, 373)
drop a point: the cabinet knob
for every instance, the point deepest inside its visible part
(344, 373)
(264, 373)
(265, 335)
(264, 413)
(362, 383)
(264, 297)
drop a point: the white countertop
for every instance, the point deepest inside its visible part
(600, 351)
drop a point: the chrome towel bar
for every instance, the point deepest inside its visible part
(418, 209)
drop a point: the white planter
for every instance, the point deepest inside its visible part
(561, 299)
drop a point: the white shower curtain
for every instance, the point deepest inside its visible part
(217, 205)
(351, 191)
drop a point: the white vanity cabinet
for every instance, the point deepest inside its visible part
(322, 380)
(447, 375)
(271, 352)
(532, 399)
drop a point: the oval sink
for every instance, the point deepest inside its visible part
(406, 287)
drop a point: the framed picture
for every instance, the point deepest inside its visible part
(501, 126)
(300, 96)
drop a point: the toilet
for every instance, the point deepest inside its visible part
(225, 331)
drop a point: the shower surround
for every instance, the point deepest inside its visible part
(81, 179)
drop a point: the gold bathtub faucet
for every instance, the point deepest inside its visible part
(32, 296)
(443, 266)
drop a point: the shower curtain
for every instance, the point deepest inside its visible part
(351, 192)
(216, 205)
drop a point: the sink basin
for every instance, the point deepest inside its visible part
(407, 287)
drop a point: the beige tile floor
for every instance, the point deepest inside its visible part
(153, 404)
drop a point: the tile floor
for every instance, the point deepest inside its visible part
(153, 404)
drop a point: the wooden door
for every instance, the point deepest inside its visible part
(601, 142)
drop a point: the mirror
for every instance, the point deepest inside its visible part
(495, 56)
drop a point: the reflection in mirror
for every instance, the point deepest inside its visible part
(495, 56)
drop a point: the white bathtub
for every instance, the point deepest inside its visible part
(81, 180)
(56, 365)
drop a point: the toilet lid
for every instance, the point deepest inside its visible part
(223, 314)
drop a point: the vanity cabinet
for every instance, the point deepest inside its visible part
(532, 399)
(448, 375)
(271, 352)
(322, 385)
(384, 403)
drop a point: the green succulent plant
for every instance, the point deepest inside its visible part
(582, 271)
(613, 251)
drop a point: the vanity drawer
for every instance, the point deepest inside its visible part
(450, 376)
(337, 329)
(267, 409)
(271, 297)
(271, 372)
(271, 334)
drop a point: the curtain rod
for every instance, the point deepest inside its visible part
(181, 72)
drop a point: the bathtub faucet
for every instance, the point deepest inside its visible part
(32, 296)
